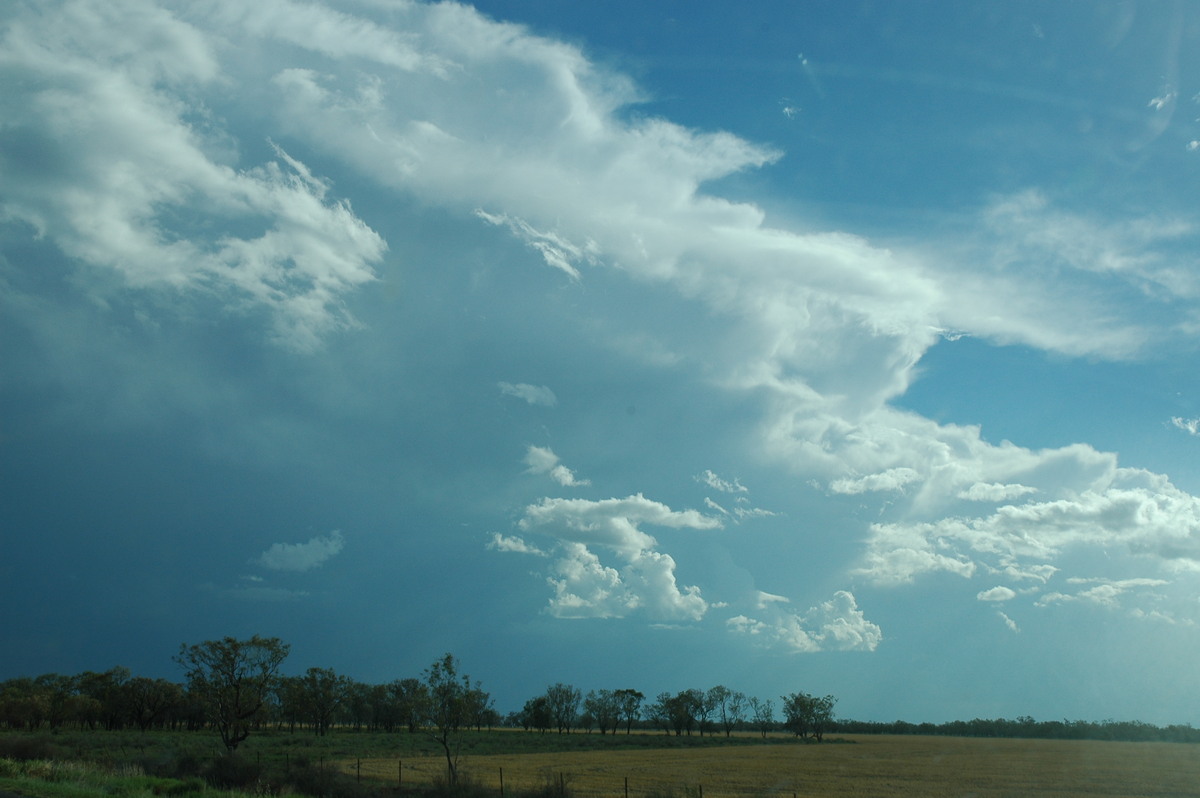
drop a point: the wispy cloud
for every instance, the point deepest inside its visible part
(715, 482)
(554, 249)
(533, 394)
(302, 557)
(1189, 425)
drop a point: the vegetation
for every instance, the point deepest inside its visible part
(324, 734)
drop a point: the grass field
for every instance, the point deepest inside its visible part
(590, 766)
(851, 766)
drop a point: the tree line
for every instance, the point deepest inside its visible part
(234, 687)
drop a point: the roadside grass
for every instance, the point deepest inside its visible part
(41, 778)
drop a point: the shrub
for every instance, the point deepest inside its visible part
(231, 772)
(24, 748)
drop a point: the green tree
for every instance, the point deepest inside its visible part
(631, 706)
(233, 680)
(808, 715)
(411, 698)
(448, 710)
(564, 701)
(536, 715)
(604, 706)
(764, 715)
(324, 692)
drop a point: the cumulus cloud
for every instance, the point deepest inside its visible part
(1134, 509)
(998, 593)
(834, 625)
(124, 166)
(544, 461)
(644, 583)
(533, 394)
(300, 557)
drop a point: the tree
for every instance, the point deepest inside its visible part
(764, 715)
(631, 704)
(233, 679)
(481, 709)
(564, 705)
(679, 712)
(806, 715)
(324, 692)
(412, 702)
(448, 709)
(604, 707)
(729, 706)
(536, 715)
(150, 700)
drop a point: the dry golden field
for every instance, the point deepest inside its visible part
(853, 766)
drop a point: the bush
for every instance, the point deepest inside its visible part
(324, 782)
(232, 772)
(25, 748)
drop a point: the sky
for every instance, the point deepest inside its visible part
(837, 347)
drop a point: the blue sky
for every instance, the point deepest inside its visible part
(837, 347)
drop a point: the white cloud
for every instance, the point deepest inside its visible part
(512, 543)
(994, 492)
(533, 394)
(1189, 425)
(645, 581)
(554, 249)
(1130, 508)
(585, 588)
(440, 103)
(1162, 101)
(834, 625)
(1008, 622)
(1106, 593)
(892, 479)
(998, 593)
(122, 172)
(302, 557)
(717, 483)
(612, 523)
(544, 461)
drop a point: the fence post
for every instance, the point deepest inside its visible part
(501, 782)
(400, 775)
(358, 770)
(627, 788)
